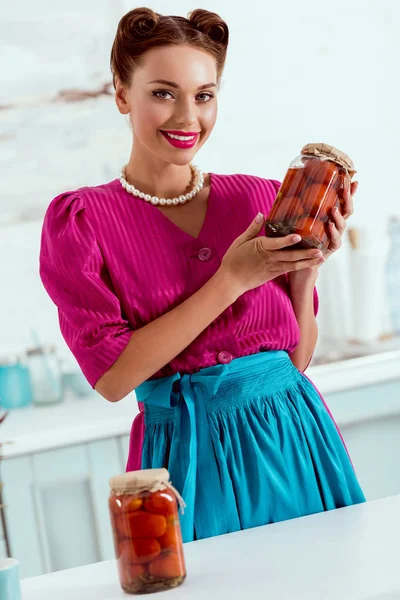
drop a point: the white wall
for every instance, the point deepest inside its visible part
(296, 72)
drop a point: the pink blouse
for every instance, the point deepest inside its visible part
(112, 263)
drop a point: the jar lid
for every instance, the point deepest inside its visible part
(40, 350)
(145, 480)
(10, 360)
(330, 153)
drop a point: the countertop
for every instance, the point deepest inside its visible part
(85, 419)
(347, 554)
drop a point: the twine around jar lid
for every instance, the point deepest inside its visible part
(145, 480)
(327, 152)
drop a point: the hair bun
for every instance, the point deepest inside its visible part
(139, 22)
(210, 24)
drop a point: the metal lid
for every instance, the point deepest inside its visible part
(10, 360)
(40, 350)
(146, 480)
(330, 153)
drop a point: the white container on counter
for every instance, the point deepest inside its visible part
(368, 285)
(45, 374)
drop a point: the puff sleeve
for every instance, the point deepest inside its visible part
(75, 276)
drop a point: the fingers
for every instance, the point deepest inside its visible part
(347, 197)
(281, 242)
(252, 231)
(335, 238)
(286, 267)
(353, 188)
(338, 220)
(295, 255)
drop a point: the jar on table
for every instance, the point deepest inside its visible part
(45, 374)
(146, 530)
(312, 186)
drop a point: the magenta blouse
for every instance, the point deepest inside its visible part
(112, 263)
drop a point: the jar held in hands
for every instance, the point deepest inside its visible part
(146, 531)
(312, 186)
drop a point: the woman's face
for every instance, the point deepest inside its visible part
(184, 103)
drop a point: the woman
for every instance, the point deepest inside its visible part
(165, 284)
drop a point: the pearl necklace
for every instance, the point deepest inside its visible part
(199, 183)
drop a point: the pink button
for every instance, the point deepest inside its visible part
(225, 357)
(205, 254)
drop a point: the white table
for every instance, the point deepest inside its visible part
(347, 554)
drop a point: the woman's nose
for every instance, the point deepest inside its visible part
(185, 113)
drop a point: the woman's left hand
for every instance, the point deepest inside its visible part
(337, 228)
(338, 225)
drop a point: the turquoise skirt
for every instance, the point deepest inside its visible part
(246, 443)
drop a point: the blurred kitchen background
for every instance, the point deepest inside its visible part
(295, 73)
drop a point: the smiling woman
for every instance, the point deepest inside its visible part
(164, 284)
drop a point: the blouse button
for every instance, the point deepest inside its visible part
(225, 357)
(205, 254)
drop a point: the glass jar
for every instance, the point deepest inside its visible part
(15, 383)
(146, 531)
(312, 186)
(45, 374)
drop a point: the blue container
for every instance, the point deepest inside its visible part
(9, 579)
(15, 386)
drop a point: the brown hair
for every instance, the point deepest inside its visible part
(142, 29)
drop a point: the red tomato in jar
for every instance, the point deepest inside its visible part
(172, 538)
(294, 207)
(132, 503)
(324, 172)
(319, 200)
(122, 526)
(161, 503)
(294, 182)
(114, 504)
(120, 505)
(139, 551)
(309, 226)
(135, 571)
(313, 198)
(286, 210)
(128, 573)
(167, 566)
(146, 525)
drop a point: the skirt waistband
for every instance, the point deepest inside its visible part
(220, 385)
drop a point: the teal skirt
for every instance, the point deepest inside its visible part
(246, 443)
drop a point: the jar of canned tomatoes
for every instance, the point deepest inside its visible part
(313, 185)
(147, 536)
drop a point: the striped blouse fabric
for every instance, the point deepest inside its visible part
(112, 263)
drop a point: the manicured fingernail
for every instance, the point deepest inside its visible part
(336, 209)
(259, 218)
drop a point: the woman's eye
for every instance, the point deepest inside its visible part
(207, 96)
(159, 93)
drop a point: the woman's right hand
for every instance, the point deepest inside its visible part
(253, 260)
